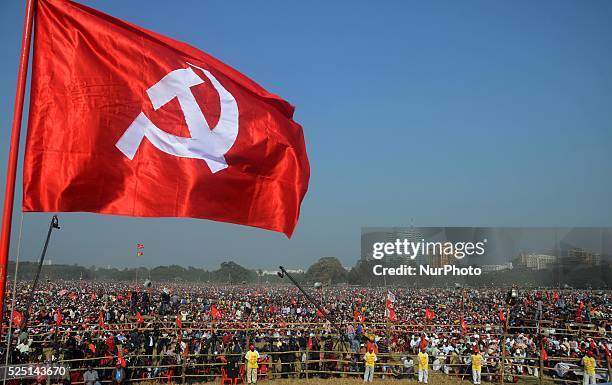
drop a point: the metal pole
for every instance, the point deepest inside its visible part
(541, 376)
(54, 224)
(343, 337)
(11, 173)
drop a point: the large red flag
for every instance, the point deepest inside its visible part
(129, 122)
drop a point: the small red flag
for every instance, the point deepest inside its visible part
(372, 346)
(423, 344)
(125, 121)
(101, 320)
(390, 307)
(502, 316)
(544, 354)
(17, 318)
(120, 360)
(214, 312)
(179, 323)
(139, 319)
(320, 313)
(357, 316)
(463, 325)
(429, 314)
(58, 317)
(578, 314)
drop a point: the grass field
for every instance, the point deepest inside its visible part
(435, 379)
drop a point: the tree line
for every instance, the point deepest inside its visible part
(326, 271)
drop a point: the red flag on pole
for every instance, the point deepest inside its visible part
(544, 354)
(214, 312)
(463, 326)
(179, 323)
(58, 317)
(139, 319)
(502, 316)
(125, 121)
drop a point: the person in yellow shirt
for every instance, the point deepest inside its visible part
(423, 366)
(476, 366)
(252, 357)
(589, 364)
(370, 359)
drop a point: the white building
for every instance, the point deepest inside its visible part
(491, 268)
(537, 261)
(290, 271)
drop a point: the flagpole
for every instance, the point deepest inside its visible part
(11, 173)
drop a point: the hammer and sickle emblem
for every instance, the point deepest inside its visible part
(205, 143)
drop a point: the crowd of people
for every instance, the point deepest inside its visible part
(119, 331)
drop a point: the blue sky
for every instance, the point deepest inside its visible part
(439, 113)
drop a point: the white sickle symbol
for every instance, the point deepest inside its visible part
(204, 143)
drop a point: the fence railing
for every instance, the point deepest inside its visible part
(499, 367)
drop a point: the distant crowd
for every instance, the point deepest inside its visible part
(117, 332)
